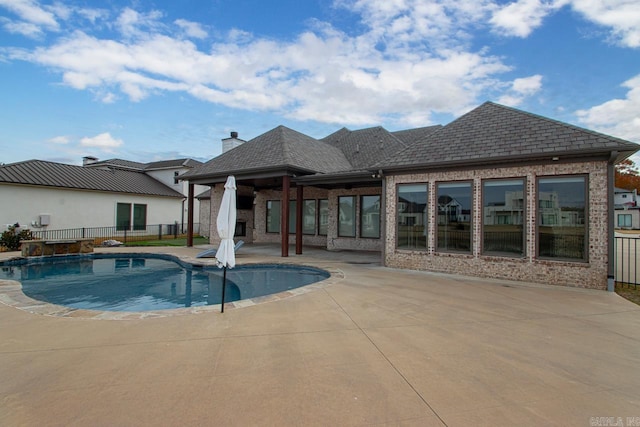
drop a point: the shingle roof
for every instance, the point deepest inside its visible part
(365, 147)
(50, 174)
(410, 136)
(279, 147)
(493, 132)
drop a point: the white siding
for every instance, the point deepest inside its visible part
(78, 208)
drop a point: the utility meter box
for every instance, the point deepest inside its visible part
(45, 219)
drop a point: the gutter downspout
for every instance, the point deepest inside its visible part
(611, 281)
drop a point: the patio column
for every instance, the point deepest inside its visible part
(190, 216)
(284, 216)
(299, 203)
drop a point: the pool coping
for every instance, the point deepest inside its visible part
(11, 295)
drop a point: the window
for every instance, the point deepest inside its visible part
(562, 217)
(176, 174)
(309, 217)
(347, 216)
(123, 216)
(273, 216)
(139, 217)
(292, 216)
(412, 216)
(503, 217)
(624, 220)
(370, 216)
(454, 216)
(241, 229)
(323, 217)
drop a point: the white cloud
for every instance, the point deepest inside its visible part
(410, 59)
(622, 16)
(103, 141)
(520, 89)
(134, 24)
(25, 28)
(191, 29)
(521, 17)
(618, 117)
(60, 140)
(30, 11)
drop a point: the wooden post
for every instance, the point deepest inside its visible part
(190, 216)
(299, 206)
(284, 215)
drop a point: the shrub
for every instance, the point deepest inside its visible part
(11, 238)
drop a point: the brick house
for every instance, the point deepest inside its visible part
(496, 193)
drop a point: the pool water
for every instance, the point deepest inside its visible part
(144, 282)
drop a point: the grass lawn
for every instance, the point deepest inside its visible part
(180, 241)
(630, 292)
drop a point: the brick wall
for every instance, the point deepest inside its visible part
(590, 274)
(241, 215)
(331, 240)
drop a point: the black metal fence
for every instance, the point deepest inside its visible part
(100, 234)
(626, 260)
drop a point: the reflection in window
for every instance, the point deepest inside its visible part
(503, 217)
(123, 216)
(309, 217)
(562, 217)
(370, 216)
(412, 216)
(273, 216)
(323, 217)
(292, 216)
(139, 217)
(347, 216)
(454, 216)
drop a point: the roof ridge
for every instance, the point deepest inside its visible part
(550, 120)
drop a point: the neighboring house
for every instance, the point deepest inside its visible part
(550, 182)
(44, 195)
(166, 171)
(627, 209)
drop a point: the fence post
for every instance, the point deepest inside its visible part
(159, 231)
(125, 235)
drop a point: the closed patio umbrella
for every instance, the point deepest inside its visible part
(226, 224)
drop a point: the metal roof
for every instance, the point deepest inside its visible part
(59, 175)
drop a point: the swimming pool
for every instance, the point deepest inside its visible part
(147, 282)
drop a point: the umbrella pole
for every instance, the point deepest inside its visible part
(224, 282)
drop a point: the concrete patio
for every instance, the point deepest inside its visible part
(376, 347)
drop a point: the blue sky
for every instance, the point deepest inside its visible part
(153, 80)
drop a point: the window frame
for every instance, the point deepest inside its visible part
(524, 217)
(319, 223)
(470, 184)
(315, 216)
(538, 223)
(136, 208)
(127, 226)
(427, 188)
(362, 196)
(355, 216)
(626, 216)
(267, 211)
